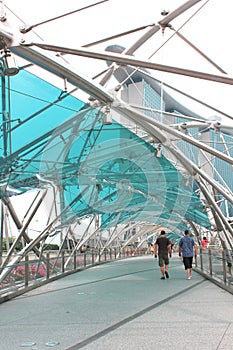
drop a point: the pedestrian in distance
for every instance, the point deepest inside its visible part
(187, 249)
(204, 243)
(152, 248)
(171, 250)
(163, 248)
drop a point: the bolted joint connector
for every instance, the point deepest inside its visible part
(25, 29)
(2, 17)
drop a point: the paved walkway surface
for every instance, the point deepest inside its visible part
(121, 305)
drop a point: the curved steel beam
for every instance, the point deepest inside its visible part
(156, 129)
(215, 207)
(193, 169)
(174, 14)
(53, 65)
(130, 51)
(131, 61)
(126, 108)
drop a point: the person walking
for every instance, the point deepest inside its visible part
(204, 243)
(188, 249)
(152, 249)
(162, 247)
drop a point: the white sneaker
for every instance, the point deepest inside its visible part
(189, 278)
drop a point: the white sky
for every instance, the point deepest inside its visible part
(210, 29)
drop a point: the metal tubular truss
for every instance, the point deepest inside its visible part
(73, 177)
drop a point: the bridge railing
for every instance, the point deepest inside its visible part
(216, 265)
(32, 272)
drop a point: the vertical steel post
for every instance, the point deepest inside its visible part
(62, 261)
(2, 230)
(84, 259)
(47, 265)
(110, 252)
(4, 118)
(224, 266)
(75, 261)
(201, 259)
(26, 276)
(210, 262)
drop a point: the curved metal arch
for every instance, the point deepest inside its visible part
(148, 123)
(154, 127)
(123, 60)
(106, 97)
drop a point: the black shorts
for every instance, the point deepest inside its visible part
(163, 259)
(188, 262)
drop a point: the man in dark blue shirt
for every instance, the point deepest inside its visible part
(188, 249)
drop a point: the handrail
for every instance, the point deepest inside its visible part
(32, 273)
(216, 265)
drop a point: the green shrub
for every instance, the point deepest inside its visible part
(18, 247)
(51, 247)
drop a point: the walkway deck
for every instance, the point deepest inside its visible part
(121, 305)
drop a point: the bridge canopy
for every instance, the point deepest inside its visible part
(104, 168)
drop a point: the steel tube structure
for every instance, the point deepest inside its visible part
(25, 52)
